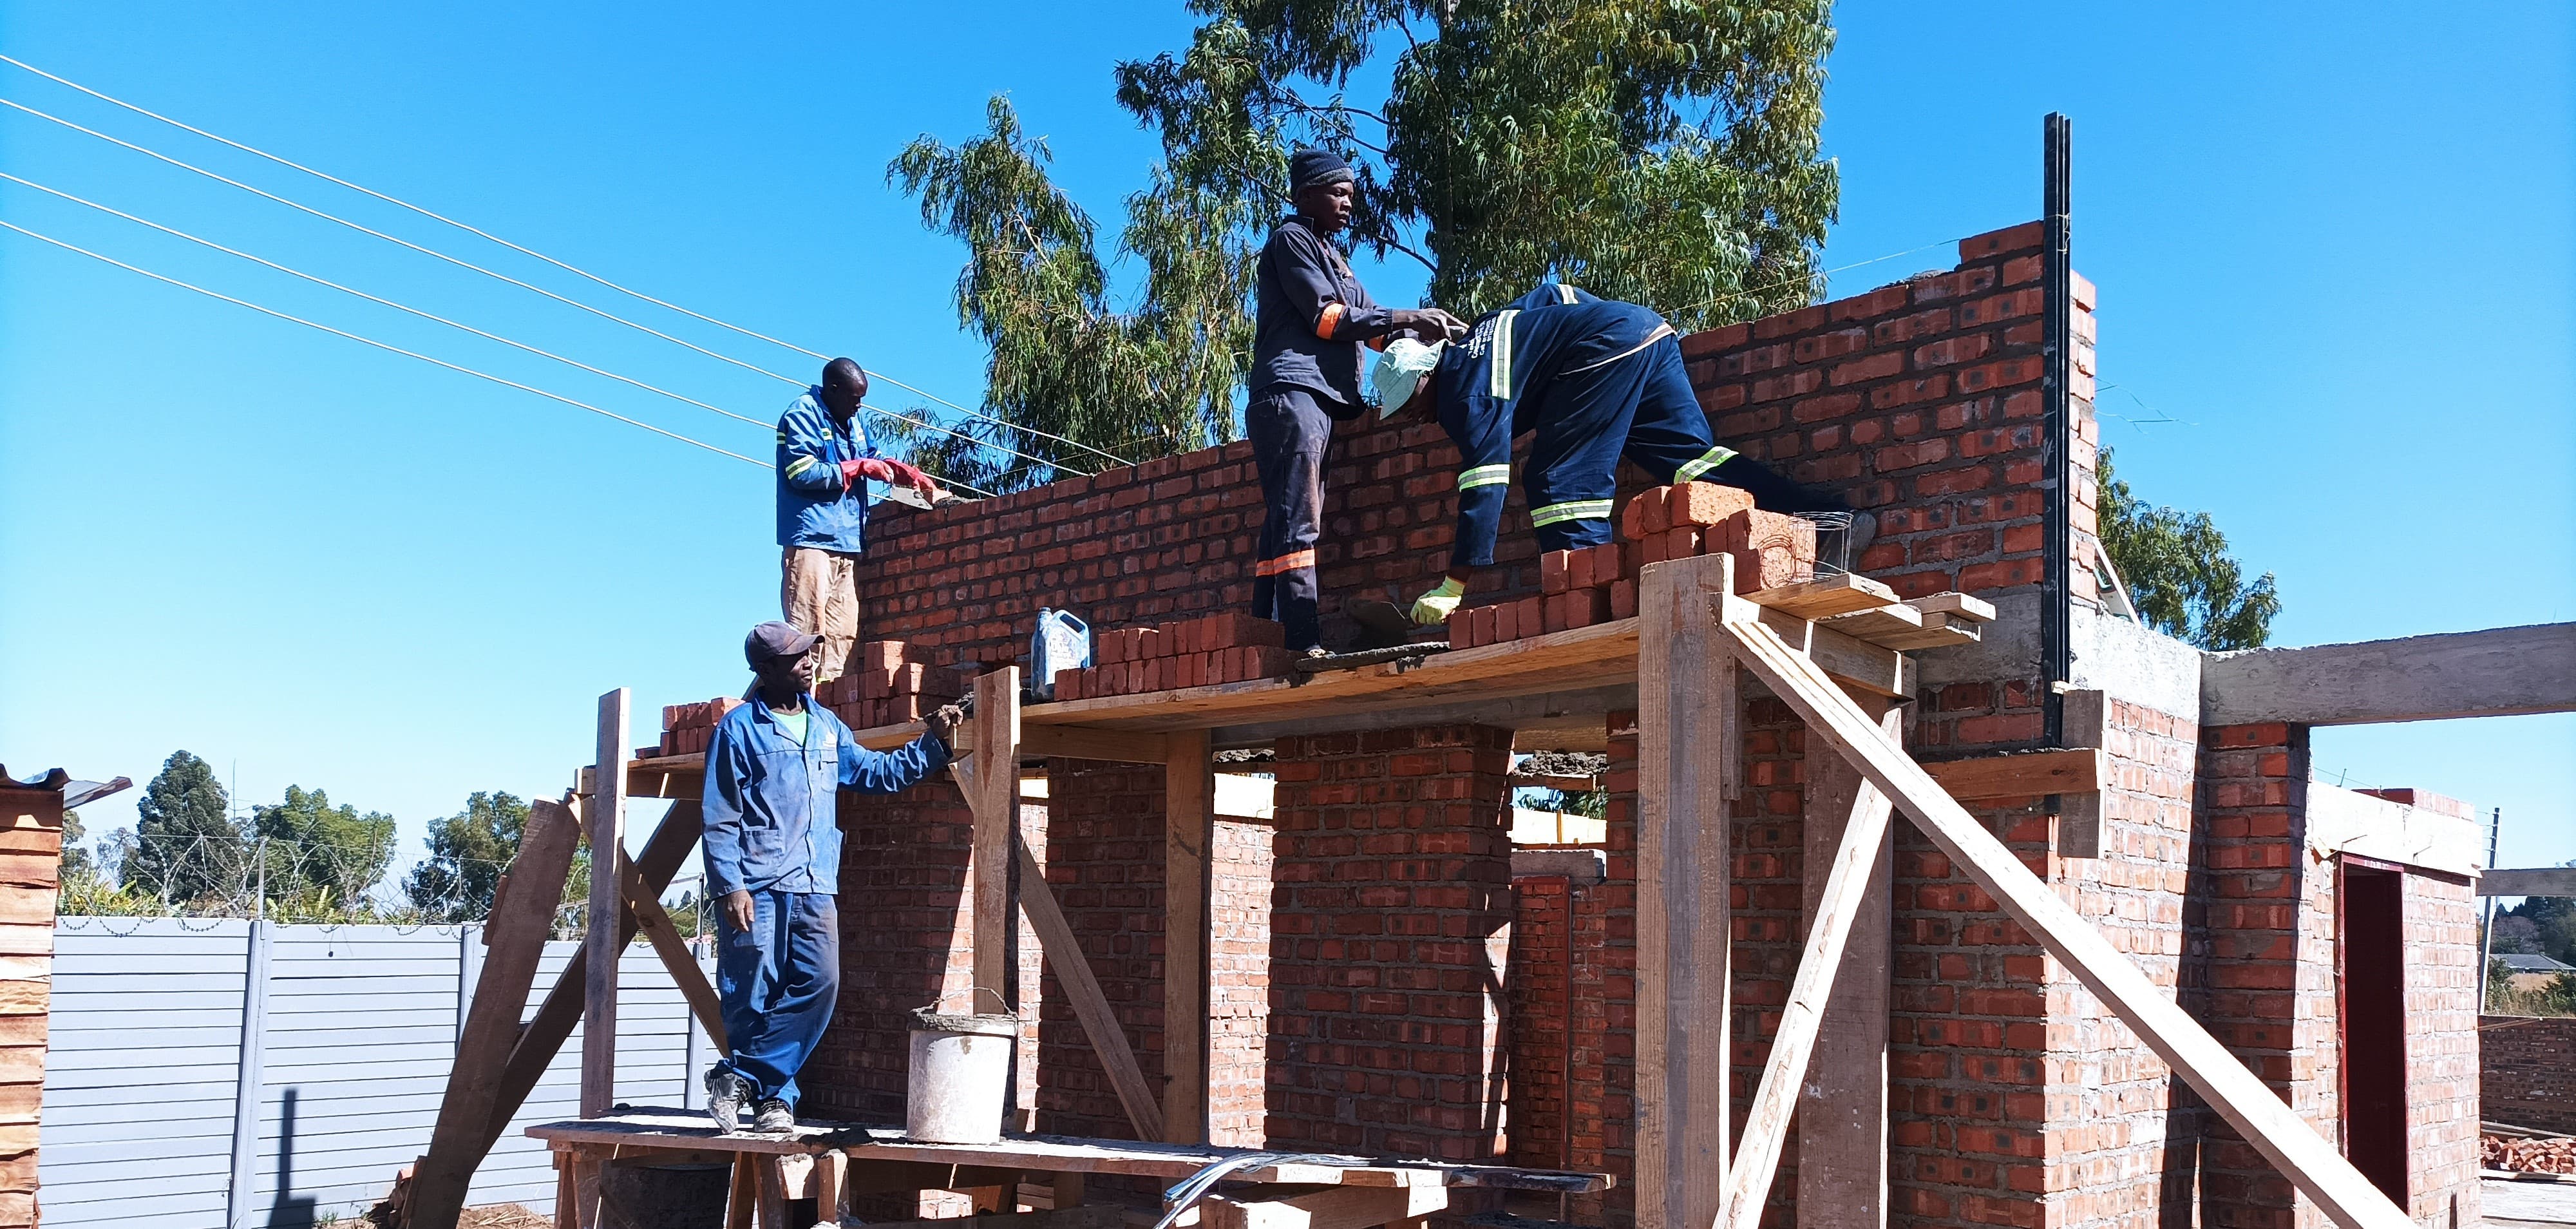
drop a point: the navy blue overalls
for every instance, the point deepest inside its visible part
(1596, 379)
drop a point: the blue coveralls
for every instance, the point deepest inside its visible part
(772, 829)
(1595, 379)
(1311, 317)
(815, 508)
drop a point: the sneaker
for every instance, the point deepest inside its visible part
(726, 1095)
(774, 1116)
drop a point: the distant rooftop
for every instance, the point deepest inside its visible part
(2528, 962)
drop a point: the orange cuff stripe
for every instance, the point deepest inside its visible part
(1289, 562)
(1332, 318)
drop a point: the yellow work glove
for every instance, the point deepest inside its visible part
(1437, 605)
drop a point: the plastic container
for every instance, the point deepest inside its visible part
(960, 1076)
(1062, 641)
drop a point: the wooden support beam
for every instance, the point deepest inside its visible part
(544, 1034)
(1848, 880)
(1332, 1207)
(1189, 828)
(2023, 774)
(1686, 734)
(2240, 1098)
(2491, 673)
(1842, 1121)
(1967, 606)
(514, 934)
(605, 940)
(2084, 720)
(1076, 743)
(681, 963)
(1090, 1005)
(995, 785)
(2540, 881)
(1846, 659)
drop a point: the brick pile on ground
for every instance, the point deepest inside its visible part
(1225, 648)
(888, 682)
(2528, 1155)
(1598, 584)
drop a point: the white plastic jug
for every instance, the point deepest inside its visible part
(1061, 642)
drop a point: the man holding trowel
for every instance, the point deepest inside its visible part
(824, 462)
(775, 768)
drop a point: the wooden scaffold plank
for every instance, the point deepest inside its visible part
(2241, 1098)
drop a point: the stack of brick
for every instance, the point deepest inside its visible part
(1596, 584)
(686, 728)
(1226, 648)
(889, 682)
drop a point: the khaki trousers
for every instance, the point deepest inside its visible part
(819, 594)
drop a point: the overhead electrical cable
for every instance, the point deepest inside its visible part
(434, 317)
(386, 346)
(534, 254)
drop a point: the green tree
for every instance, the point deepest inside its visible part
(77, 862)
(186, 846)
(1663, 151)
(2178, 572)
(467, 853)
(319, 851)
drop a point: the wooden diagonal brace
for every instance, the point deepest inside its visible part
(1775, 1100)
(676, 956)
(2243, 1100)
(515, 932)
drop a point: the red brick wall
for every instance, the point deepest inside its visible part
(2261, 973)
(1105, 865)
(1239, 982)
(1390, 929)
(1557, 996)
(1920, 400)
(905, 925)
(2442, 1048)
(2527, 1071)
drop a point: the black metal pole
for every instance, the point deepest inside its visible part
(2057, 424)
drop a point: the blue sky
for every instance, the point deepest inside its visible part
(2338, 297)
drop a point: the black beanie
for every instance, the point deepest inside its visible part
(1308, 168)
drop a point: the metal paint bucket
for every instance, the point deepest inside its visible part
(959, 1083)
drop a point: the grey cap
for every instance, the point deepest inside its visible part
(773, 640)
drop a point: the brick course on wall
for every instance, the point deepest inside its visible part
(2527, 1071)
(2442, 959)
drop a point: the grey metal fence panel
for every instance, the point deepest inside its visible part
(356, 1029)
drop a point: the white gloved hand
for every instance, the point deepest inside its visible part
(1437, 605)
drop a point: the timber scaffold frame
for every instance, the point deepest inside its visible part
(1833, 650)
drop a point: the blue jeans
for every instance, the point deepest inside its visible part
(777, 982)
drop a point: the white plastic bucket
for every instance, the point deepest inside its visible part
(960, 1077)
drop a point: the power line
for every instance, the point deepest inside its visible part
(270, 311)
(431, 316)
(1791, 281)
(530, 252)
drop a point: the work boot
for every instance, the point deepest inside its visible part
(727, 1093)
(774, 1116)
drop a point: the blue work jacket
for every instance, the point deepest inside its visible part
(771, 820)
(816, 508)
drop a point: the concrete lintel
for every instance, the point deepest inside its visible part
(2346, 821)
(2492, 673)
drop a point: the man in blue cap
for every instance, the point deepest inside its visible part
(824, 463)
(1312, 316)
(775, 767)
(1595, 379)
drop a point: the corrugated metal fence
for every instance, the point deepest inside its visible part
(225, 1072)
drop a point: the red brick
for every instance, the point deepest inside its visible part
(2026, 237)
(1552, 567)
(1623, 599)
(1702, 503)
